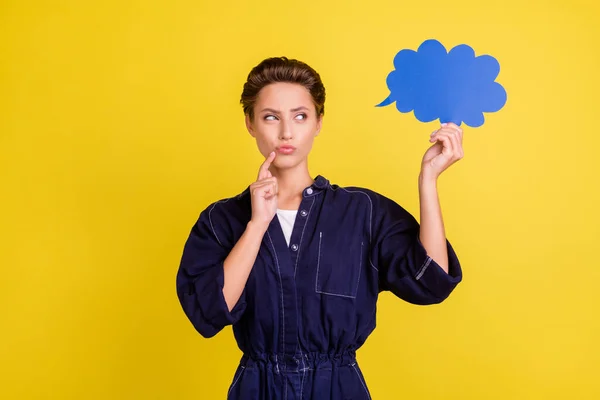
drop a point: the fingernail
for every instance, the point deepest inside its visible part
(444, 124)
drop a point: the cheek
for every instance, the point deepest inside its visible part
(307, 133)
(263, 136)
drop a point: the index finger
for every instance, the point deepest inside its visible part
(263, 172)
(453, 125)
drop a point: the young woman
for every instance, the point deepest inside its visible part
(296, 264)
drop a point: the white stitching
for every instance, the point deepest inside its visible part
(303, 375)
(281, 291)
(301, 236)
(236, 380)
(353, 365)
(210, 218)
(372, 266)
(423, 268)
(370, 219)
(317, 275)
(318, 263)
(359, 269)
(295, 268)
(335, 294)
(370, 201)
(314, 193)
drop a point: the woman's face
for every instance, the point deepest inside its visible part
(285, 121)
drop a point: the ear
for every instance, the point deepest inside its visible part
(319, 125)
(249, 125)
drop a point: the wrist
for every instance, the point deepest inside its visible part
(427, 180)
(257, 227)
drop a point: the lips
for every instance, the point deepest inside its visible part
(286, 149)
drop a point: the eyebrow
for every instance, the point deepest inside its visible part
(277, 112)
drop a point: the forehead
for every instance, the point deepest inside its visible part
(284, 95)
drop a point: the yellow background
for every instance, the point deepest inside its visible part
(120, 122)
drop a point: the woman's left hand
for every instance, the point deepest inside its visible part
(446, 151)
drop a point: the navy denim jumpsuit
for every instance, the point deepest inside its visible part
(309, 306)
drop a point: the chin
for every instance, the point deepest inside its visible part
(286, 162)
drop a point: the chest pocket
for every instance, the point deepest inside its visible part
(339, 266)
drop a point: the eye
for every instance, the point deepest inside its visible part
(301, 116)
(270, 118)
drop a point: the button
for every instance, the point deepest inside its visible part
(303, 213)
(309, 191)
(294, 247)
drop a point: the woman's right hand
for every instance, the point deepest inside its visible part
(241, 258)
(263, 194)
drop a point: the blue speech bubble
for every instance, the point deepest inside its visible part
(453, 86)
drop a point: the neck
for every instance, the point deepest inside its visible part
(291, 183)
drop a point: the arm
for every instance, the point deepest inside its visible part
(445, 152)
(213, 272)
(239, 262)
(201, 276)
(212, 275)
(405, 266)
(416, 261)
(432, 233)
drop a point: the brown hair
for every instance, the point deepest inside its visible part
(282, 69)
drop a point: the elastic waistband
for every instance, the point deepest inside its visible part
(300, 361)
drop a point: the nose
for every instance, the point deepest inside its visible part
(285, 132)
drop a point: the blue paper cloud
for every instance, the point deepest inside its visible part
(454, 87)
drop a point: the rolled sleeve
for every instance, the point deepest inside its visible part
(433, 277)
(404, 266)
(200, 280)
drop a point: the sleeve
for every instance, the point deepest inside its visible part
(404, 266)
(200, 279)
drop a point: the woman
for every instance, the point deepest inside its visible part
(301, 289)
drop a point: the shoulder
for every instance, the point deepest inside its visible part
(228, 208)
(225, 219)
(373, 197)
(382, 206)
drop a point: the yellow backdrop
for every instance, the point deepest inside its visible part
(120, 122)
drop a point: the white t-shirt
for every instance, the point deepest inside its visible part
(286, 220)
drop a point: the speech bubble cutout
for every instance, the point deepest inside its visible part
(453, 86)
